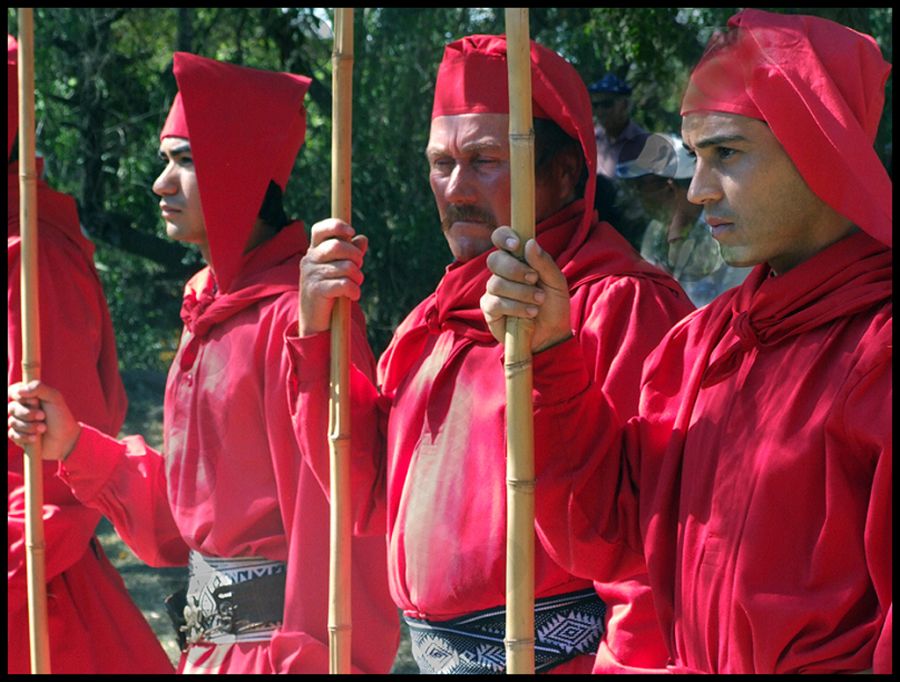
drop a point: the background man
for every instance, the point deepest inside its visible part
(659, 170)
(611, 102)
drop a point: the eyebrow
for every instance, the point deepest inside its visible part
(472, 148)
(717, 140)
(183, 149)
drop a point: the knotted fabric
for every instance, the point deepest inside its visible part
(455, 304)
(848, 277)
(272, 270)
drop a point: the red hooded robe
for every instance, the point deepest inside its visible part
(94, 627)
(441, 404)
(757, 477)
(232, 482)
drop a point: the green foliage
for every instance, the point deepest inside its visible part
(104, 85)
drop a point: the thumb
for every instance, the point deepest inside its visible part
(549, 273)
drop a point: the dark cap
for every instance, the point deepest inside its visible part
(610, 83)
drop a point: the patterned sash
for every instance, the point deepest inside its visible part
(233, 600)
(565, 626)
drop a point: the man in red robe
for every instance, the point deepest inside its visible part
(428, 430)
(231, 497)
(93, 625)
(757, 476)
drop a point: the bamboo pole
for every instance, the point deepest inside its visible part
(339, 616)
(519, 640)
(35, 554)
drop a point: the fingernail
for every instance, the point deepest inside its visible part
(539, 296)
(532, 311)
(511, 242)
(531, 277)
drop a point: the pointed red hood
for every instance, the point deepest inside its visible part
(245, 127)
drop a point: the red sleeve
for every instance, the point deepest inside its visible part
(586, 389)
(68, 527)
(309, 394)
(125, 481)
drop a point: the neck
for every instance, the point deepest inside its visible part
(261, 233)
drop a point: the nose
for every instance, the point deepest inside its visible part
(165, 185)
(459, 189)
(705, 186)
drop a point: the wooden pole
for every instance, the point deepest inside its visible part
(519, 639)
(339, 616)
(31, 350)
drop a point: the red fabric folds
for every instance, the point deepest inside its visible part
(763, 317)
(94, 627)
(454, 305)
(12, 92)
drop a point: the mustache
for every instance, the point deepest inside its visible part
(467, 213)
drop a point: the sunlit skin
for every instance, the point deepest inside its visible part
(179, 195)
(468, 159)
(757, 205)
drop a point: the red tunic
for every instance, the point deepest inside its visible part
(442, 410)
(232, 482)
(757, 475)
(94, 627)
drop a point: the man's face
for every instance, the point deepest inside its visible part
(611, 111)
(180, 196)
(656, 196)
(756, 203)
(468, 158)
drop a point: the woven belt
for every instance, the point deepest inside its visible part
(565, 626)
(233, 600)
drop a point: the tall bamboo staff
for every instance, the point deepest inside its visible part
(519, 639)
(339, 621)
(31, 350)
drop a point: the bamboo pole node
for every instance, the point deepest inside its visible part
(524, 485)
(36, 580)
(519, 634)
(340, 522)
(524, 643)
(514, 368)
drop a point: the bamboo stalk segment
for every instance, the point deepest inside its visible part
(35, 549)
(520, 481)
(339, 616)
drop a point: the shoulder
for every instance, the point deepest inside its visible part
(659, 296)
